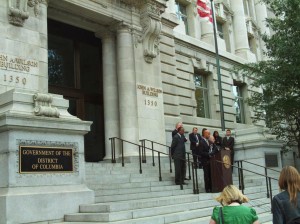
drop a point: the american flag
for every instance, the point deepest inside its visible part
(204, 9)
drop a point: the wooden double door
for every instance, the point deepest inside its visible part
(75, 71)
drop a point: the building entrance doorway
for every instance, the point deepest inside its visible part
(75, 71)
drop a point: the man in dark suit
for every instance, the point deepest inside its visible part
(178, 154)
(194, 140)
(204, 151)
(175, 131)
(228, 143)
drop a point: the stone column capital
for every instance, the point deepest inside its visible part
(123, 27)
(105, 33)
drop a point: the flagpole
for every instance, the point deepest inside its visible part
(218, 68)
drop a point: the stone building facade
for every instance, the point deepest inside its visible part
(134, 68)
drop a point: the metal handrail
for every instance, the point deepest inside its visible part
(257, 165)
(240, 162)
(143, 147)
(194, 170)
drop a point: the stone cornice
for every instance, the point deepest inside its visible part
(140, 3)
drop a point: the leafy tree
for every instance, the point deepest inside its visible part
(279, 76)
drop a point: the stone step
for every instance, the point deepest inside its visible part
(135, 196)
(97, 186)
(142, 213)
(145, 203)
(139, 190)
(165, 197)
(163, 214)
(127, 178)
(129, 197)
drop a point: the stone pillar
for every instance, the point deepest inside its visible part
(207, 32)
(240, 29)
(30, 18)
(261, 15)
(35, 125)
(110, 91)
(127, 88)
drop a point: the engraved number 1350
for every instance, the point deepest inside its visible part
(151, 103)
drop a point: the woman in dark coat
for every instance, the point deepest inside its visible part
(218, 139)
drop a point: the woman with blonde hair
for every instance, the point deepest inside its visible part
(286, 205)
(233, 212)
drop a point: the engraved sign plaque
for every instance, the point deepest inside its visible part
(40, 159)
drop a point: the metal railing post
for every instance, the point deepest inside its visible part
(196, 182)
(242, 177)
(113, 150)
(153, 163)
(193, 176)
(239, 175)
(140, 159)
(160, 179)
(144, 160)
(270, 188)
(122, 149)
(266, 174)
(189, 165)
(170, 160)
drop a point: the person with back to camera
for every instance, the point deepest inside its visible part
(286, 205)
(232, 210)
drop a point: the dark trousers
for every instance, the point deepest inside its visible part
(207, 177)
(180, 169)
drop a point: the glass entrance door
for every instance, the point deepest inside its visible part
(74, 71)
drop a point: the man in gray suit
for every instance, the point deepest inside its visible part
(178, 154)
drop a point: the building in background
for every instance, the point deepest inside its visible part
(134, 68)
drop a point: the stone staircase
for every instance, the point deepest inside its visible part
(123, 195)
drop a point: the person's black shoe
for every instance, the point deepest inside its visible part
(186, 179)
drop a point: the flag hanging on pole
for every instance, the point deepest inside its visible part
(204, 9)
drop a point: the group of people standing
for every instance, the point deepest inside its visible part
(285, 205)
(203, 147)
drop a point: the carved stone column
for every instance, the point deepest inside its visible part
(110, 90)
(207, 32)
(127, 88)
(240, 29)
(261, 15)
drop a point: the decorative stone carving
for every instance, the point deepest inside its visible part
(100, 3)
(17, 10)
(42, 105)
(150, 14)
(151, 24)
(134, 3)
(199, 64)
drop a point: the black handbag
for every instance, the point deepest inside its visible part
(221, 216)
